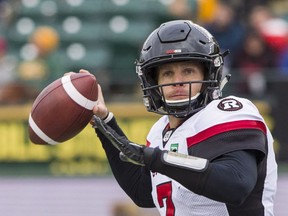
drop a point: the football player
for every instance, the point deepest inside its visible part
(206, 155)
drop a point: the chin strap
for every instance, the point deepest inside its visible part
(183, 100)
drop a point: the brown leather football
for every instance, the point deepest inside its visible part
(63, 109)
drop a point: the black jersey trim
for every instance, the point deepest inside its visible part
(225, 127)
(249, 139)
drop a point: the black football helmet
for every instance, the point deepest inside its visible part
(180, 40)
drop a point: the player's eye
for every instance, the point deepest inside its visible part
(189, 70)
(166, 73)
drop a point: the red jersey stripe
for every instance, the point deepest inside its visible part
(148, 143)
(225, 127)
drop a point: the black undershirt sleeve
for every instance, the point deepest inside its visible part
(229, 178)
(133, 179)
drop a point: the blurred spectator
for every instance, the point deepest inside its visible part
(280, 7)
(253, 61)
(283, 62)
(199, 10)
(227, 29)
(205, 10)
(259, 14)
(273, 29)
(182, 9)
(40, 66)
(244, 7)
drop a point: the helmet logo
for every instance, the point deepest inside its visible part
(173, 51)
(230, 104)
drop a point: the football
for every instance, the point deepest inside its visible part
(63, 109)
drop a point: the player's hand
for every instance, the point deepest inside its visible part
(129, 151)
(80, 71)
(100, 108)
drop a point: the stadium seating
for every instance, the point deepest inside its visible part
(103, 34)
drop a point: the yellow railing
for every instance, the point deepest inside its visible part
(83, 154)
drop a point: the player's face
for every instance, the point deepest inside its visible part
(180, 72)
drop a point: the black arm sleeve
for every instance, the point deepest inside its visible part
(229, 178)
(133, 179)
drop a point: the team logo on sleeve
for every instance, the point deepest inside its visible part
(174, 147)
(230, 104)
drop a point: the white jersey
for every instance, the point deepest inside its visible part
(219, 116)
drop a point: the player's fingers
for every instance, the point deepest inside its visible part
(96, 110)
(100, 110)
(83, 71)
(69, 73)
(92, 121)
(100, 95)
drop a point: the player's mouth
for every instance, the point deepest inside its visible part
(178, 96)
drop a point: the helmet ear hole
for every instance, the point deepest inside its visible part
(152, 76)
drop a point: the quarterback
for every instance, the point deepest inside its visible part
(207, 154)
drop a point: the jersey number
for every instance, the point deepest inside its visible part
(164, 192)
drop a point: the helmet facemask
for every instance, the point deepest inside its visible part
(155, 101)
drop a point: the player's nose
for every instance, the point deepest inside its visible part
(178, 79)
